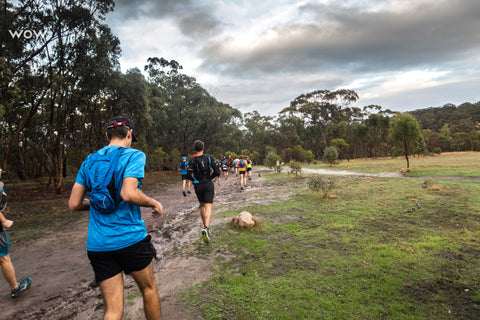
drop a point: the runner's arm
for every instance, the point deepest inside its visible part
(77, 201)
(130, 193)
(5, 222)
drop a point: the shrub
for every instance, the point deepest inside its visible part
(330, 156)
(172, 160)
(309, 157)
(295, 167)
(271, 160)
(231, 154)
(318, 183)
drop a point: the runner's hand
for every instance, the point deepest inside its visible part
(158, 209)
(7, 223)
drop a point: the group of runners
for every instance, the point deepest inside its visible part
(240, 166)
(202, 170)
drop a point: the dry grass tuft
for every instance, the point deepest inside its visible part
(436, 187)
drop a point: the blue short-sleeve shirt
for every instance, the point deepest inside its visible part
(185, 168)
(124, 227)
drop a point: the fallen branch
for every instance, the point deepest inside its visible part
(413, 209)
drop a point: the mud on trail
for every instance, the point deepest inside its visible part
(62, 278)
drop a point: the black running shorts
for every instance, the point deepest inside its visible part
(4, 246)
(133, 258)
(205, 191)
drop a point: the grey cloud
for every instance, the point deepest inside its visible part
(365, 41)
(134, 9)
(198, 23)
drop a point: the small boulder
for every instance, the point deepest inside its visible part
(244, 220)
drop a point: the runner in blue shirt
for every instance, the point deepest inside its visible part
(183, 166)
(118, 242)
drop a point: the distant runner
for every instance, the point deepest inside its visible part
(224, 168)
(183, 167)
(242, 170)
(249, 169)
(231, 165)
(218, 165)
(235, 164)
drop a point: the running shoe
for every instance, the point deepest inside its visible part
(184, 194)
(21, 287)
(206, 235)
(189, 192)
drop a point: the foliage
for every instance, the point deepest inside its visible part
(296, 153)
(318, 183)
(157, 159)
(465, 116)
(330, 156)
(406, 134)
(377, 132)
(231, 154)
(309, 157)
(255, 157)
(318, 110)
(272, 159)
(341, 146)
(295, 167)
(172, 160)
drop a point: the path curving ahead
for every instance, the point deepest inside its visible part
(395, 174)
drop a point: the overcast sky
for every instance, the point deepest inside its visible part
(260, 55)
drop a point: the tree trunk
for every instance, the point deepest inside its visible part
(406, 155)
(21, 126)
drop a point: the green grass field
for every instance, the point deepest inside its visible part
(366, 254)
(462, 164)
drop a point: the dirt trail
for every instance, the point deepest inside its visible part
(62, 279)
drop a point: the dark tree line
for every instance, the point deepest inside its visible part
(59, 88)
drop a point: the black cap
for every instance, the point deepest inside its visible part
(122, 121)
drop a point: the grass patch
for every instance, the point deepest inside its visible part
(363, 255)
(459, 164)
(132, 296)
(35, 218)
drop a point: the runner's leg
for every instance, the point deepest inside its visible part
(146, 283)
(112, 293)
(8, 271)
(206, 213)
